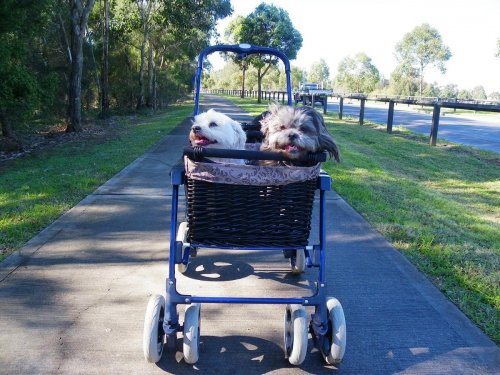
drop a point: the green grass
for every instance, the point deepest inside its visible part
(440, 206)
(36, 190)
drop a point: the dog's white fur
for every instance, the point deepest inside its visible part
(213, 129)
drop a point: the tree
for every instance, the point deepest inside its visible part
(464, 94)
(268, 26)
(449, 91)
(478, 92)
(22, 78)
(80, 10)
(431, 90)
(357, 74)
(320, 72)
(421, 48)
(494, 96)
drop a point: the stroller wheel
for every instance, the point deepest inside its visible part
(154, 336)
(298, 262)
(182, 237)
(191, 343)
(296, 332)
(337, 332)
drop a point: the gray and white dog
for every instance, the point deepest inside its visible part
(296, 132)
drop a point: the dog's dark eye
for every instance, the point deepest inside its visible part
(282, 127)
(212, 124)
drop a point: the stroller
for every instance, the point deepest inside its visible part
(267, 208)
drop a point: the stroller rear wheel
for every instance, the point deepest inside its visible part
(296, 332)
(298, 262)
(337, 332)
(191, 343)
(182, 237)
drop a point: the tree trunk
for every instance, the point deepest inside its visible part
(140, 99)
(150, 97)
(6, 125)
(79, 18)
(259, 85)
(243, 81)
(105, 65)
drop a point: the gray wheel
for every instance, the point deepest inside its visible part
(298, 262)
(191, 343)
(182, 237)
(336, 333)
(296, 331)
(154, 337)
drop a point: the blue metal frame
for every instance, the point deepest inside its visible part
(243, 49)
(319, 323)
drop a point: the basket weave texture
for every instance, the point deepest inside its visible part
(245, 215)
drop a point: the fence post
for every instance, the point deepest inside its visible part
(435, 124)
(390, 116)
(341, 107)
(362, 111)
(325, 103)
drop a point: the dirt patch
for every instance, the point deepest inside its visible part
(56, 136)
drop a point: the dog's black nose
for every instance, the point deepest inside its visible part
(195, 128)
(293, 136)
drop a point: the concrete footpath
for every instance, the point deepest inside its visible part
(73, 299)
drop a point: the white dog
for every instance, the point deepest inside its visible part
(216, 130)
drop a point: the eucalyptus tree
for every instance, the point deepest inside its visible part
(79, 15)
(421, 48)
(357, 74)
(268, 26)
(320, 72)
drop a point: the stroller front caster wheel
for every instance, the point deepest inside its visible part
(154, 336)
(337, 332)
(296, 331)
(191, 343)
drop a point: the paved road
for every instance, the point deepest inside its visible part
(478, 131)
(72, 301)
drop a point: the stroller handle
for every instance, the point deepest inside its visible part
(244, 49)
(198, 153)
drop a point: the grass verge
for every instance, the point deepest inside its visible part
(35, 190)
(440, 206)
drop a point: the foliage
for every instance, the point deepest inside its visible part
(267, 26)
(22, 74)
(478, 92)
(421, 48)
(319, 73)
(35, 40)
(357, 74)
(449, 91)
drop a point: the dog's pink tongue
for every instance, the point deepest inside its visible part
(201, 141)
(291, 149)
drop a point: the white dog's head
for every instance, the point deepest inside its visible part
(216, 130)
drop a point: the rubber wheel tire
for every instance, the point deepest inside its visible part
(296, 332)
(191, 342)
(154, 337)
(182, 237)
(336, 333)
(300, 262)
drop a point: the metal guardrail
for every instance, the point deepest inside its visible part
(435, 102)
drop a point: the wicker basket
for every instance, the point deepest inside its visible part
(249, 215)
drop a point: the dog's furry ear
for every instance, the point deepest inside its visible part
(325, 139)
(241, 136)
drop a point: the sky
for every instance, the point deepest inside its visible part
(332, 30)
